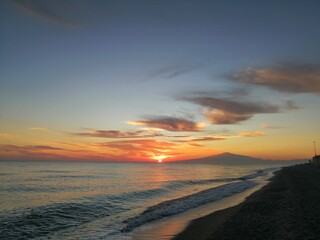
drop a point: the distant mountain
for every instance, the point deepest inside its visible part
(235, 159)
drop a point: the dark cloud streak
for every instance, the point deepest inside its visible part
(230, 111)
(234, 106)
(291, 105)
(224, 117)
(118, 134)
(28, 148)
(175, 71)
(37, 10)
(172, 124)
(293, 78)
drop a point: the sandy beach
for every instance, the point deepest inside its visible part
(287, 208)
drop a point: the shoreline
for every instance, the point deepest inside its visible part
(167, 228)
(286, 208)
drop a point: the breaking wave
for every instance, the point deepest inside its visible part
(179, 205)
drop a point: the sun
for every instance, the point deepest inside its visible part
(159, 158)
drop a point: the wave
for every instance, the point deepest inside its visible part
(179, 205)
(6, 174)
(53, 171)
(72, 176)
(171, 186)
(184, 183)
(258, 173)
(41, 221)
(181, 183)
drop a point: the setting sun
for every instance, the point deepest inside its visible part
(159, 158)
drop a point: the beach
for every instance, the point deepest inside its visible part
(286, 208)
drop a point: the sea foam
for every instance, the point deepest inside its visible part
(175, 206)
(179, 205)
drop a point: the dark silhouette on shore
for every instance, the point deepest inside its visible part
(316, 158)
(287, 208)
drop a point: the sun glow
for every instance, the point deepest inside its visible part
(159, 158)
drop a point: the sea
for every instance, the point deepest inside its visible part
(108, 200)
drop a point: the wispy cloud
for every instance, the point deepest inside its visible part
(8, 135)
(230, 93)
(193, 144)
(230, 135)
(119, 134)
(209, 138)
(172, 124)
(145, 144)
(252, 134)
(39, 10)
(28, 148)
(47, 152)
(204, 139)
(141, 149)
(234, 106)
(268, 126)
(291, 105)
(38, 129)
(174, 71)
(230, 111)
(294, 78)
(224, 117)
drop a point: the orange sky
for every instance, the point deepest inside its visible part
(150, 144)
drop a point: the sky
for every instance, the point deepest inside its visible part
(94, 80)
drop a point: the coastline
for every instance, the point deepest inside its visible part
(286, 208)
(169, 227)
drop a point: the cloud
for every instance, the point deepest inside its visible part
(195, 144)
(175, 71)
(202, 139)
(208, 138)
(45, 152)
(45, 13)
(267, 126)
(291, 105)
(234, 106)
(39, 129)
(223, 117)
(140, 144)
(233, 92)
(143, 148)
(230, 111)
(252, 134)
(8, 135)
(292, 78)
(28, 148)
(172, 124)
(119, 134)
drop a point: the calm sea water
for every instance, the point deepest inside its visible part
(61, 200)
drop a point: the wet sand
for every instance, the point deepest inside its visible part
(286, 208)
